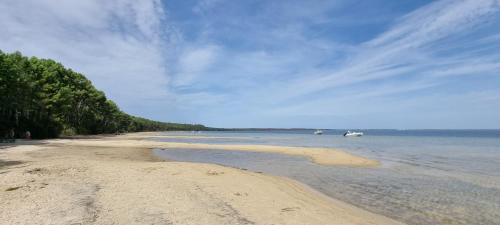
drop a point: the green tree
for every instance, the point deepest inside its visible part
(47, 99)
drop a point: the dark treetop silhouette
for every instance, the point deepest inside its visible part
(47, 99)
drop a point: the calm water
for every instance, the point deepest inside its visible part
(426, 177)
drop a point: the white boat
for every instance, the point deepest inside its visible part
(318, 132)
(353, 134)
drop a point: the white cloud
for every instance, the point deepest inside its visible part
(194, 62)
(205, 5)
(419, 53)
(437, 20)
(116, 44)
(283, 62)
(407, 49)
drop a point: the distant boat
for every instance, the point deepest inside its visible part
(318, 132)
(353, 134)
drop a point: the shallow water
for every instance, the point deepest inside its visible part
(423, 179)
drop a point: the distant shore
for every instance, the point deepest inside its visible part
(116, 180)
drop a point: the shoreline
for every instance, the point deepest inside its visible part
(323, 156)
(128, 184)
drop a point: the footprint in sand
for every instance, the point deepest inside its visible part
(214, 173)
(289, 209)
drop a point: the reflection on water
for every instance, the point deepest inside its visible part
(423, 180)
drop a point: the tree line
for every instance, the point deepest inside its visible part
(48, 100)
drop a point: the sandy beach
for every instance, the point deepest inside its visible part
(324, 156)
(116, 180)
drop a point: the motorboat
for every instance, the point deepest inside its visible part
(353, 134)
(318, 132)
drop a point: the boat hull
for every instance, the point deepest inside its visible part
(354, 134)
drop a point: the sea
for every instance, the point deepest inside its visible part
(426, 176)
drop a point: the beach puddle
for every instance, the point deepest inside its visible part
(401, 190)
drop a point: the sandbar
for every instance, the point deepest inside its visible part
(323, 156)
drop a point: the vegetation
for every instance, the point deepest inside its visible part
(43, 97)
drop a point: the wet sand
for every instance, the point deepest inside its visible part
(116, 180)
(324, 156)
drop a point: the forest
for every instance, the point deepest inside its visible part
(48, 100)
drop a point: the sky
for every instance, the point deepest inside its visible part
(410, 64)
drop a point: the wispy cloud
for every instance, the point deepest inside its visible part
(287, 74)
(193, 62)
(262, 63)
(407, 48)
(117, 44)
(408, 53)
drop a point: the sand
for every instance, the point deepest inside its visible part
(100, 182)
(194, 136)
(324, 156)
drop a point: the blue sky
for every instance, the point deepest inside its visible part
(315, 64)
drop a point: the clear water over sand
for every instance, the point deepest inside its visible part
(425, 178)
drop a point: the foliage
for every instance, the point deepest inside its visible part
(47, 99)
